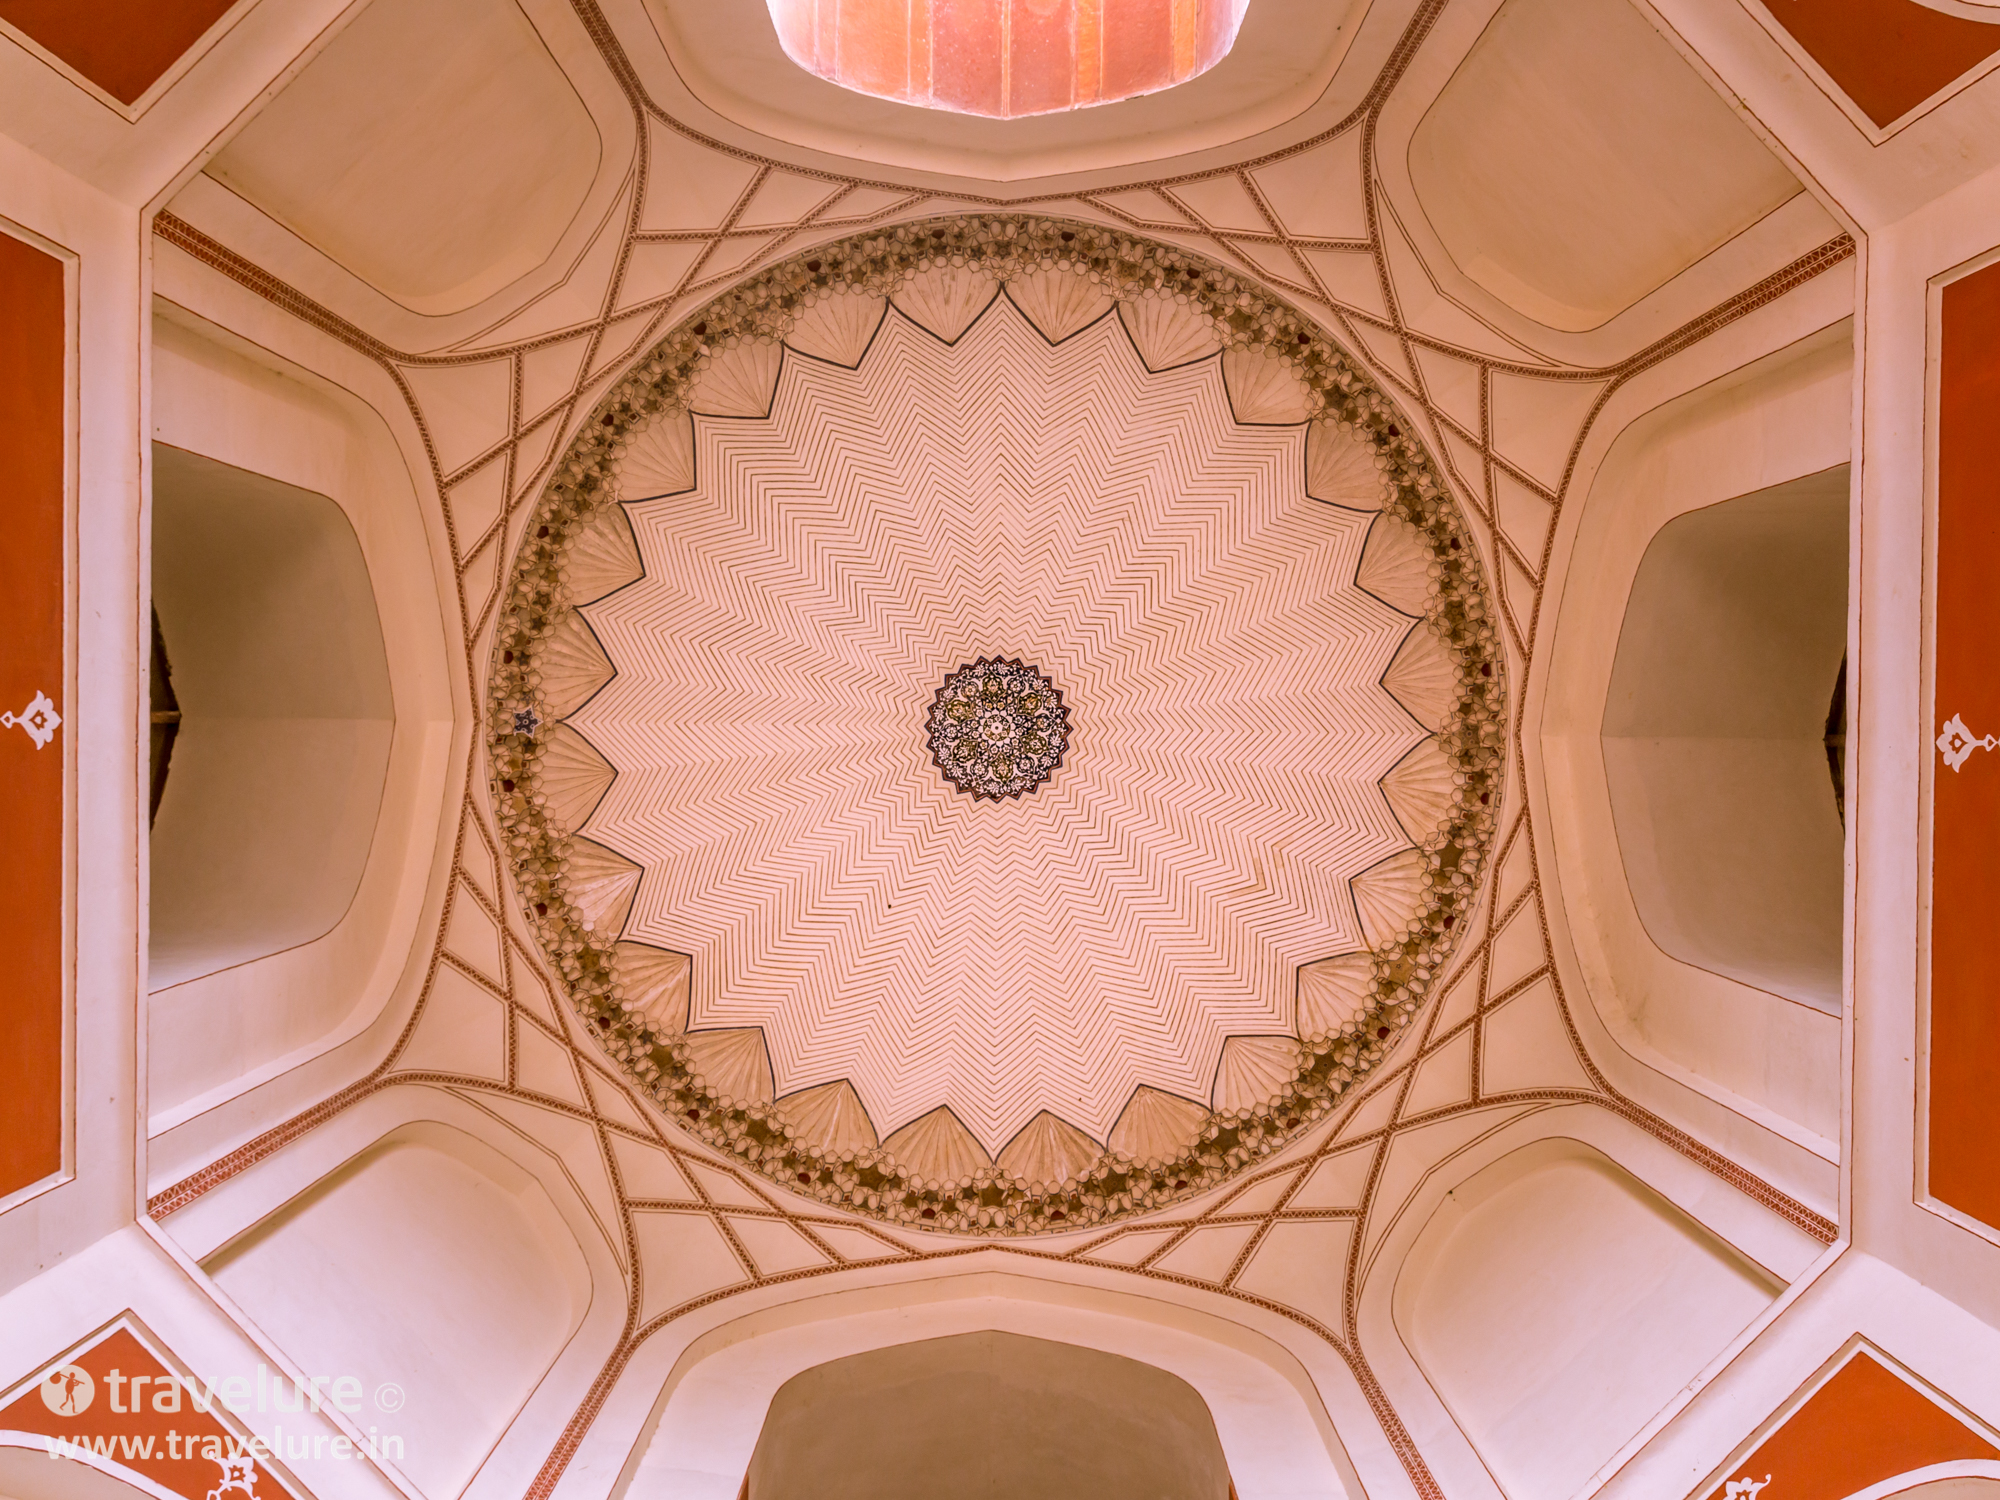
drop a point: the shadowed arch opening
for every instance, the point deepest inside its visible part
(987, 1413)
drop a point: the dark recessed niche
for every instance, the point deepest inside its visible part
(987, 1414)
(165, 722)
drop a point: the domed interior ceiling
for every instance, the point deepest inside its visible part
(1217, 782)
(837, 562)
(1590, 1218)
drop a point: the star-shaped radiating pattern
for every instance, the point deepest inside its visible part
(883, 527)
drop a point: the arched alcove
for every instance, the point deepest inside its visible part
(1631, 666)
(1266, 1409)
(1716, 735)
(302, 810)
(428, 1262)
(274, 651)
(1575, 162)
(434, 148)
(987, 1414)
(1555, 1293)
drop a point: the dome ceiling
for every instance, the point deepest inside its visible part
(1362, 1203)
(1241, 717)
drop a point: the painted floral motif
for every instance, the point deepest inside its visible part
(997, 729)
(1956, 742)
(39, 721)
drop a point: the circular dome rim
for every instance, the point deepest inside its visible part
(1247, 317)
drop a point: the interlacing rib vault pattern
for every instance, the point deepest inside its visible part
(1335, 1199)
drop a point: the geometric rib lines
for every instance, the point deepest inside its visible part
(834, 560)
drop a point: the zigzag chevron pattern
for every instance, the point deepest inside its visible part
(1117, 528)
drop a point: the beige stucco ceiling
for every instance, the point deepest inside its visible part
(1603, 261)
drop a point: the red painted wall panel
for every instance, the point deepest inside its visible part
(122, 46)
(1964, 1110)
(187, 1442)
(33, 343)
(1863, 1426)
(1888, 56)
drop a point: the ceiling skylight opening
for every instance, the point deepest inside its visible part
(1007, 58)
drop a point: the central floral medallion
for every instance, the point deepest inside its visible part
(998, 728)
